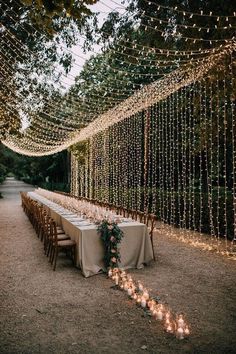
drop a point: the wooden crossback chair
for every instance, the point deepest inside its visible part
(58, 244)
(140, 216)
(49, 235)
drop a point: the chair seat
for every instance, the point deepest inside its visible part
(65, 243)
(62, 237)
(60, 231)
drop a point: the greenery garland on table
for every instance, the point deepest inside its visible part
(111, 236)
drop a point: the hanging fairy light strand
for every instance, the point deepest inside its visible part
(101, 103)
(187, 178)
(191, 14)
(140, 51)
(64, 48)
(166, 82)
(201, 50)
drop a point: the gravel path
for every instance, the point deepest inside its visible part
(42, 311)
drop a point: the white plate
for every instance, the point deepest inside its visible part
(84, 223)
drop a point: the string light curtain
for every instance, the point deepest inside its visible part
(166, 146)
(176, 158)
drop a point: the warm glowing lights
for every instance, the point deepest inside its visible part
(142, 99)
(56, 123)
(191, 14)
(167, 147)
(174, 324)
(173, 161)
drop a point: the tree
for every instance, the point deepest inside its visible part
(47, 14)
(35, 170)
(34, 37)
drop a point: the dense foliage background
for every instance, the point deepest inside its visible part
(49, 172)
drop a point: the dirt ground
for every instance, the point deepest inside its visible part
(42, 311)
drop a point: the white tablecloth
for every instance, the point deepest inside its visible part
(135, 247)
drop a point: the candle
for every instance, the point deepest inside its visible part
(169, 328)
(146, 295)
(138, 299)
(140, 286)
(116, 279)
(126, 286)
(143, 302)
(186, 331)
(123, 274)
(180, 322)
(180, 333)
(154, 313)
(159, 315)
(110, 273)
(151, 304)
(130, 291)
(167, 316)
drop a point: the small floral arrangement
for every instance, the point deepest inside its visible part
(111, 236)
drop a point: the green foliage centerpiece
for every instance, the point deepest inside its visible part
(111, 236)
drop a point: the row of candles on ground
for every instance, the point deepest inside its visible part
(172, 324)
(82, 208)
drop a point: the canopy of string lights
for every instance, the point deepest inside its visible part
(57, 119)
(154, 110)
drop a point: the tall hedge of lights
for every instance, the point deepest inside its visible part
(177, 158)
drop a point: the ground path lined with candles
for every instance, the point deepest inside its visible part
(62, 312)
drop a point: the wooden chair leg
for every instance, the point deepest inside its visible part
(151, 237)
(73, 255)
(46, 242)
(41, 234)
(55, 260)
(51, 254)
(47, 249)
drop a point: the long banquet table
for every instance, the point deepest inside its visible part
(135, 247)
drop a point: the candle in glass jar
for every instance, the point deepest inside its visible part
(159, 315)
(129, 291)
(154, 313)
(152, 308)
(186, 331)
(169, 328)
(140, 286)
(180, 322)
(143, 302)
(180, 333)
(138, 299)
(123, 274)
(116, 279)
(126, 286)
